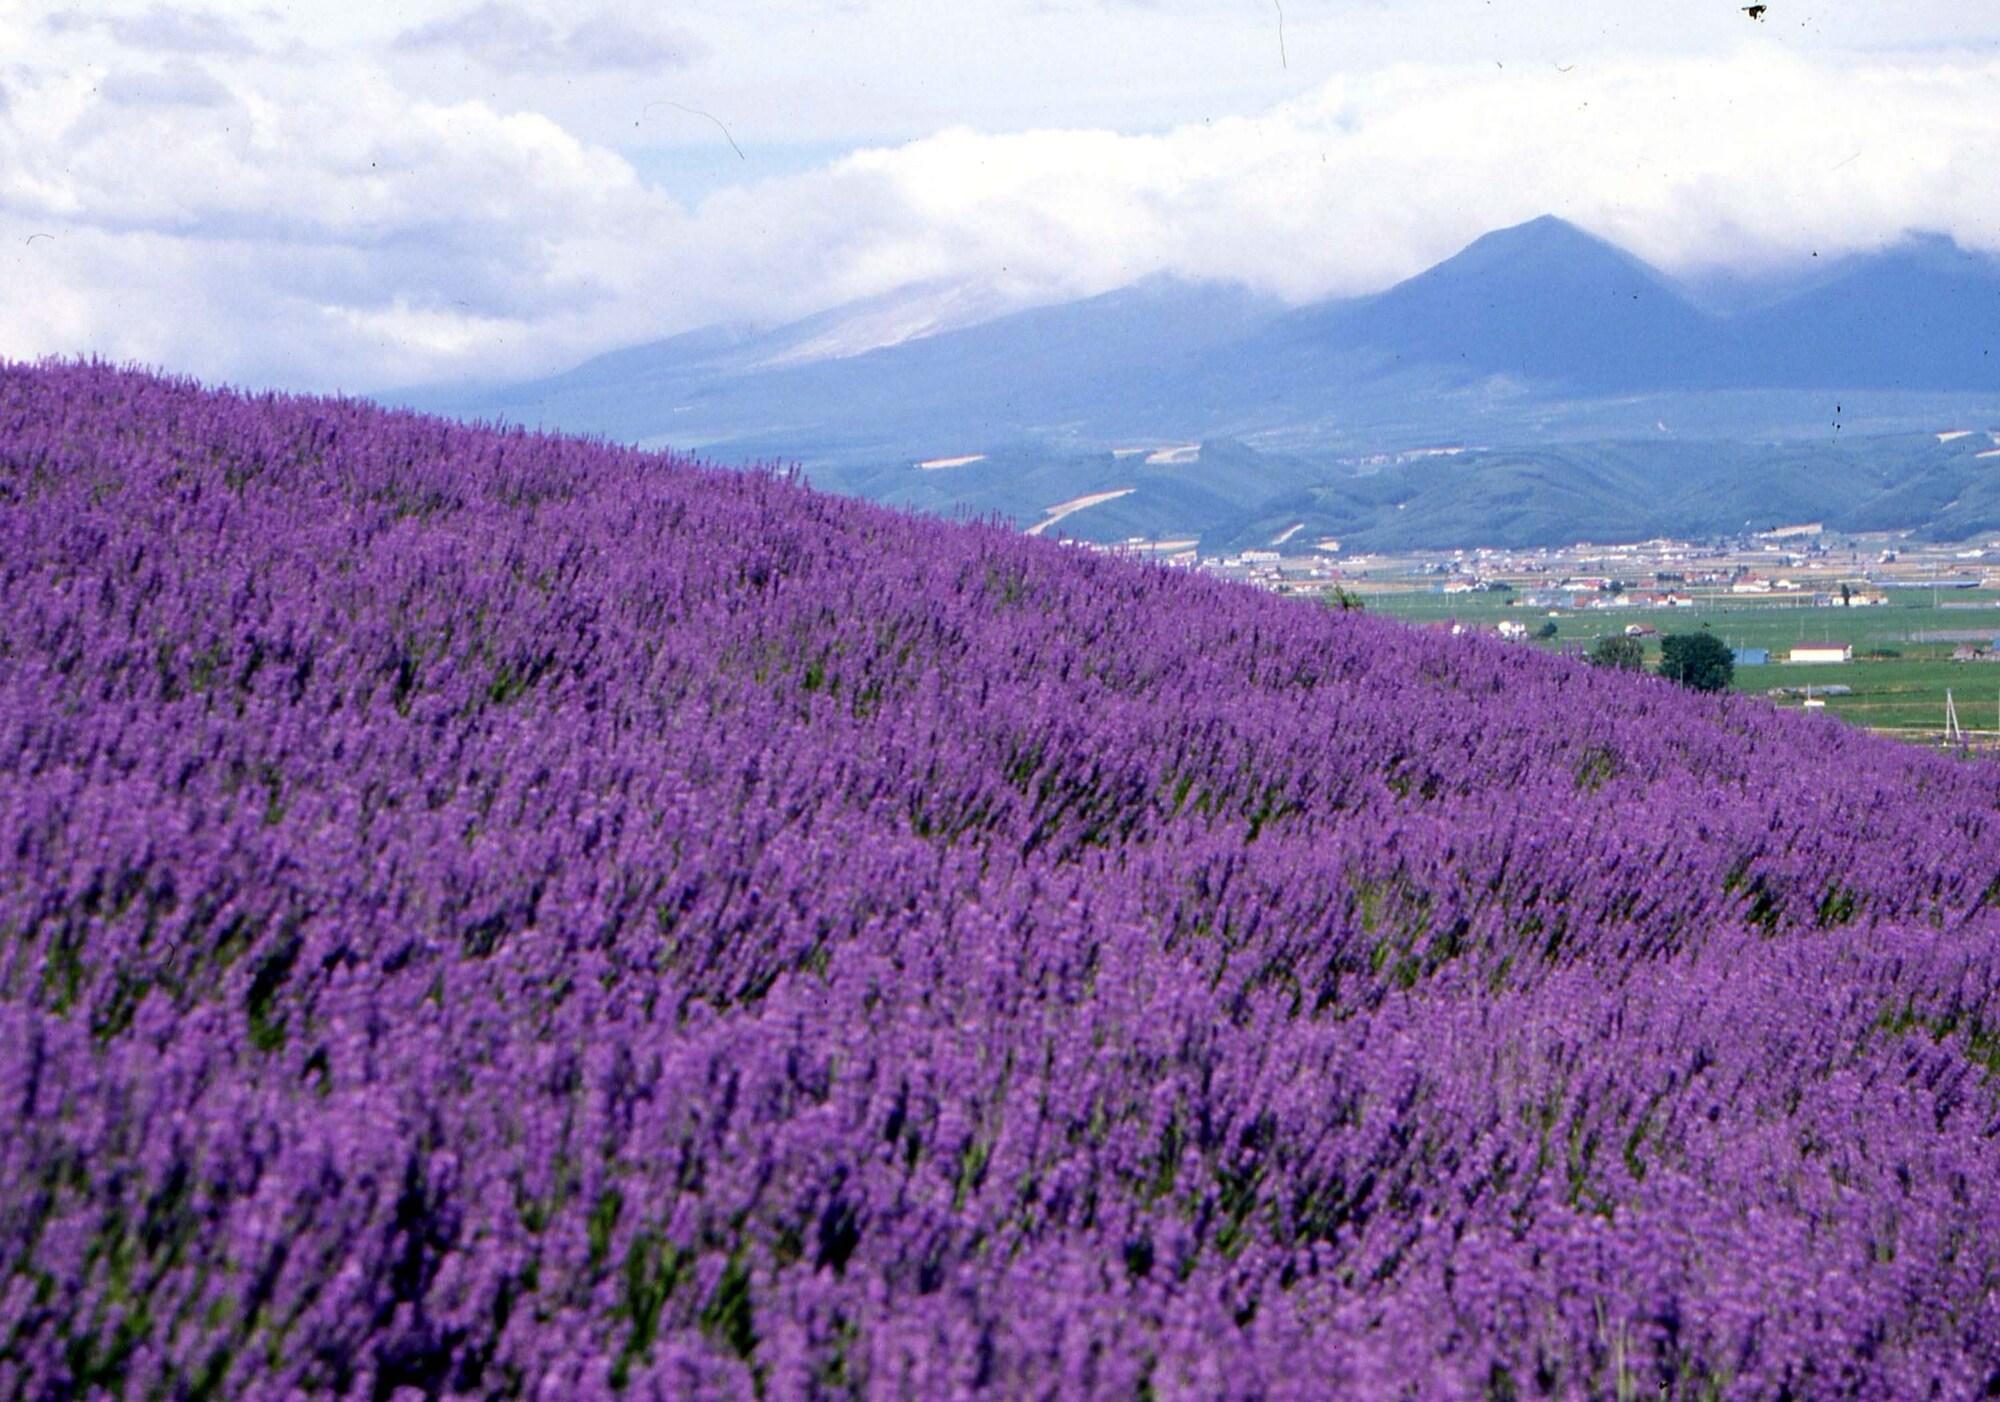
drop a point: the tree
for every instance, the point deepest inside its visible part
(1619, 653)
(1700, 660)
(1547, 630)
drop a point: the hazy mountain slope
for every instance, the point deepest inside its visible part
(1109, 357)
(650, 383)
(1535, 331)
(1542, 340)
(1543, 301)
(1924, 315)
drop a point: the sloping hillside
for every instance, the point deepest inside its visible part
(501, 915)
(1924, 315)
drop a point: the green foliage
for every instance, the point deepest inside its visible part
(1619, 653)
(1597, 767)
(728, 1317)
(267, 1021)
(1700, 660)
(654, 1269)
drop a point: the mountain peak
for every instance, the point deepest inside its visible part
(1545, 300)
(1542, 247)
(1542, 228)
(1935, 251)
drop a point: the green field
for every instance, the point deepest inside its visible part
(1903, 694)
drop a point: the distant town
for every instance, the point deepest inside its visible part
(1880, 625)
(1799, 564)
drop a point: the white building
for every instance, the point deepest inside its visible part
(1822, 652)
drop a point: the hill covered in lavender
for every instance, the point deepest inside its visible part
(485, 914)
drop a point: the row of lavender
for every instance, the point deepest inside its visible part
(499, 915)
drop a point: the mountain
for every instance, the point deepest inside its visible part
(634, 390)
(1924, 315)
(1188, 406)
(1003, 376)
(1542, 302)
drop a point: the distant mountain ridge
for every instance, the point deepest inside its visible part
(1530, 337)
(1922, 315)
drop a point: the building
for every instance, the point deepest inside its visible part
(1751, 656)
(1822, 652)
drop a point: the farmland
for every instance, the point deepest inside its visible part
(1903, 693)
(503, 915)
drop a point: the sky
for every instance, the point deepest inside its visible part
(367, 195)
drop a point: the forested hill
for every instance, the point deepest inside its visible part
(502, 915)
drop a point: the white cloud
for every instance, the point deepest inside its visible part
(512, 40)
(160, 29)
(179, 84)
(1742, 159)
(319, 216)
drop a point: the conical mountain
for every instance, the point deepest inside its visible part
(1542, 301)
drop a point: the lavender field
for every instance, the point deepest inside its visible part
(493, 915)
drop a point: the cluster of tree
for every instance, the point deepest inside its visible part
(1619, 653)
(1699, 660)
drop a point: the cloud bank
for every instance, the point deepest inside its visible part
(268, 215)
(513, 40)
(160, 29)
